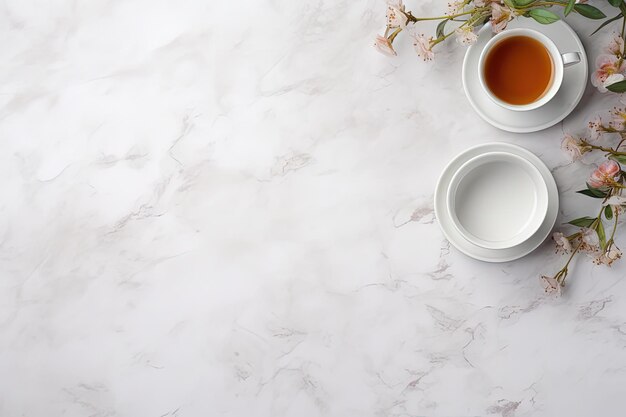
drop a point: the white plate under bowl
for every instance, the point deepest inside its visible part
(497, 200)
(569, 95)
(478, 252)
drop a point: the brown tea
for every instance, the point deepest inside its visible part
(518, 70)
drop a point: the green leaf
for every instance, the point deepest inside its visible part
(582, 222)
(481, 22)
(601, 234)
(440, 27)
(618, 87)
(523, 3)
(608, 212)
(589, 11)
(615, 3)
(510, 3)
(543, 16)
(592, 192)
(606, 22)
(619, 158)
(589, 193)
(570, 6)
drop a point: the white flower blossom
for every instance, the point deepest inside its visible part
(618, 120)
(465, 35)
(615, 200)
(395, 15)
(607, 258)
(500, 17)
(616, 46)
(572, 147)
(612, 79)
(383, 45)
(455, 7)
(613, 254)
(606, 65)
(423, 47)
(596, 128)
(562, 243)
(590, 240)
(551, 285)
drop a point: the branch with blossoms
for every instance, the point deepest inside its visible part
(464, 17)
(606, 184)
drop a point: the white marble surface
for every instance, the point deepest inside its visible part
(225, 209)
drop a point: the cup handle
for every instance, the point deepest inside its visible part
(570, 58)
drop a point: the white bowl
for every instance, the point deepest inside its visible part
(497, 200)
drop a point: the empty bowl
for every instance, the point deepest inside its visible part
(497, 200)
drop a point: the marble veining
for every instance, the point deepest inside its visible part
(225, 209)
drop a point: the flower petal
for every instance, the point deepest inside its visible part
(616, 200)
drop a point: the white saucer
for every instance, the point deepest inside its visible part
(574, 81)
(475, 251)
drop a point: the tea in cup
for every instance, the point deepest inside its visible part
(522, 69)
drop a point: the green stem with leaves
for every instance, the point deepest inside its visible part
(563, 272)
(412, 18)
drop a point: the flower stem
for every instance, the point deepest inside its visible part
(452, 16)
(615, 216)
(598, 217)
(572, 255)
(446, 36)
(563, 272)
(441, 39)
(543, 3)
(394, 34)
(602, 148)
(621, 55)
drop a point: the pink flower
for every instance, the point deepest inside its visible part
(616, 46)
(383, 45)
(573, 147)
(395, 15)
(605, 175)
(500, 17)
(423, 47)
(551, 285)
(562, 243)
(465, 35)
(607, 65)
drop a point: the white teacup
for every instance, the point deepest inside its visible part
(559, 62)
